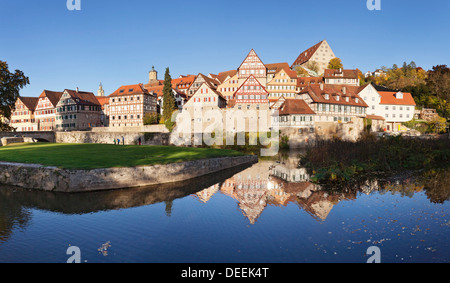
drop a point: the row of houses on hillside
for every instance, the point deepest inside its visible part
(255, 89)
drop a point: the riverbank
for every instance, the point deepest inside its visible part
(338, 161)
(81, 168)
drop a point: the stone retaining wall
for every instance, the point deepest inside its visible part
(32, 176)
(108, 137)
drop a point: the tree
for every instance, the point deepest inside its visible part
(10, 84)
(439, 82)
(168, 98)
(313, 66)
(301, 72)
(335, 64)
(151, 118)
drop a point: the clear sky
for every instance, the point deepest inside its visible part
(117, 42)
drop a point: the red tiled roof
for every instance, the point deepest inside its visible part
(374, 117)
(294, 106)
(307, 54)
(317, 94)
(275, 67)
(30, 102)
(82, 97)
(129, 90)
(53, 96)
(223, 75)
(103, 100)
(184, 80)
(158, 90)
(388, 97)
(305, 81)
(332, 73)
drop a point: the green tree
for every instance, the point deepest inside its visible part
(335, 64)
(439, 82)
(168, 98)
(10, 85)
(151, 118)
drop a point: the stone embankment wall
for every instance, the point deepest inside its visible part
(32, 176)
(29, 136)
(108, 137)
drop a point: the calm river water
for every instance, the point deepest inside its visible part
(265, 213)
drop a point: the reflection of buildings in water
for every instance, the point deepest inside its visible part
(279, 184)
(290, 172)
(206, 194)
(251, 195)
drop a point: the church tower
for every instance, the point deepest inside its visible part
(153, 75)
(100, 91)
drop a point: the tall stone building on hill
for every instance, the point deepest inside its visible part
(320, 53)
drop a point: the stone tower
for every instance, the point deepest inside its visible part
(153, 75)
(100, 91)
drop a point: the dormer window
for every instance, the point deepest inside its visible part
(399, 95)
(337, 97)
(347, 99)
(356, 100)
(327, 96)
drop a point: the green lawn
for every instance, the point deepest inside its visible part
(91, 156)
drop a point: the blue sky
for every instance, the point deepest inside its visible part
(117, 42)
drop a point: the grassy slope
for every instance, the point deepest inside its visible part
(90, 156)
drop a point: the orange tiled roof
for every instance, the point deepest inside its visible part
(129, 90)
(184, 82)
(158, 90)
(103, 100)
(388, 97)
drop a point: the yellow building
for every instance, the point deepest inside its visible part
(229, 83)
(282, 84)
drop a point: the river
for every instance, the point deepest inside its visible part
(269, 212)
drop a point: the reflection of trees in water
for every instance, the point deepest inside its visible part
(437, 185)
(12, 214)
(434, 183)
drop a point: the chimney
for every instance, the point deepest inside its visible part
(321, 86)
(344, 90)
(77, 89)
